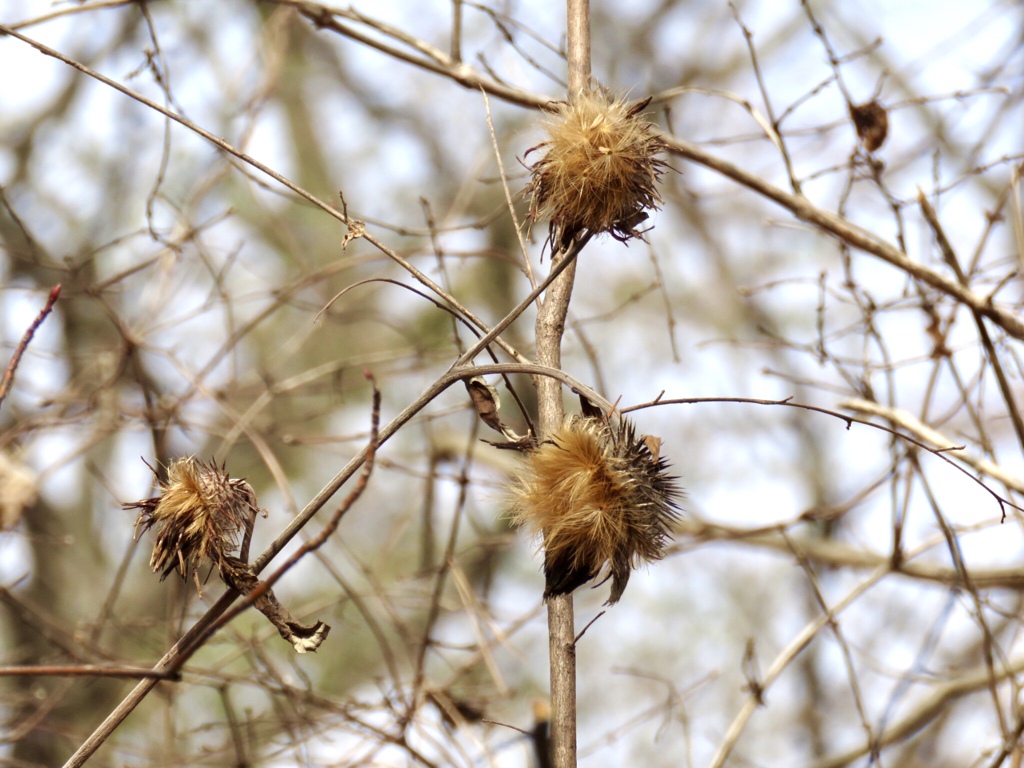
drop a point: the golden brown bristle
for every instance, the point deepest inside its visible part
(599, 172)
(198, 516)
(596, 495)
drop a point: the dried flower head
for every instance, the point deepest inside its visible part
(598, 495)
(198, 516)
(600, 170)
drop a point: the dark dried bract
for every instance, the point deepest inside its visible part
(599, 172)
(198, 517)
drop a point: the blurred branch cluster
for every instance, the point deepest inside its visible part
(251, 205)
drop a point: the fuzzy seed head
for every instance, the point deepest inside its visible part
(600, 170)
(198, 516)
(597, 495)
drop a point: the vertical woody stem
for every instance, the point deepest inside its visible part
(578, 45)
(550, 328)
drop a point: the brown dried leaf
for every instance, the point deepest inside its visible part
(485, 400)
(654, 446)
(872, 124)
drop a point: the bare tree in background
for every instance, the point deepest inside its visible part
(824, 326)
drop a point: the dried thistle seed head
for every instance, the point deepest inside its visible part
(198, 516)
(597, 495)
(600, 170)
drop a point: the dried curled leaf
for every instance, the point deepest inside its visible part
(872, 124)
(304, 638)
(488, 404)
(486, 401)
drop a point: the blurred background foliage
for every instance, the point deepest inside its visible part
(196, 317)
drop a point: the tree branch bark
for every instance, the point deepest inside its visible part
(550, 328)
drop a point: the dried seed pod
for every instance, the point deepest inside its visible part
(600, 170)
(198, 516)
(597, 495)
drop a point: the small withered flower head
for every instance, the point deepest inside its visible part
(198, 516)
(600, 170)
(597, 495)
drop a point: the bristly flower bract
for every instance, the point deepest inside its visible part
(597, 495)
(600, 170)
(198, 516)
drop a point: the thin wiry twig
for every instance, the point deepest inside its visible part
(834, 554)
(284, 181)
(775, 125)
(779, 664)
(12, 366)
(314, 543)
(426, 56)
(850, 420)
(85, 670)
(950, 257)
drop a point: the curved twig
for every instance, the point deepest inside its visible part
(941, 452)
